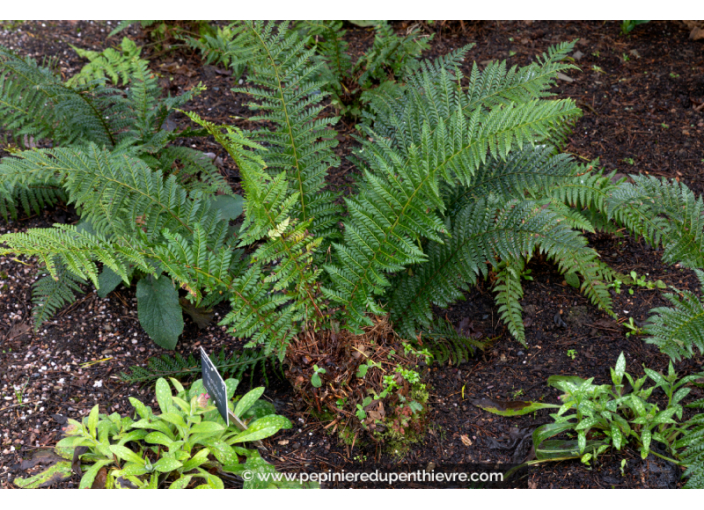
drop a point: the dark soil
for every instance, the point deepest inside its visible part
(641, 96)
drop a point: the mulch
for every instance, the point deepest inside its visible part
(642, 98)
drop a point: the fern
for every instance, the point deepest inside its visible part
(233, 366)
(282, 78)
(692, 445)
(678, 330)
(51, 293)
(117, 65)
(447, 345)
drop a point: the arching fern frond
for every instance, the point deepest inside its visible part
(678, 330)
(51, 293)
(283, 83)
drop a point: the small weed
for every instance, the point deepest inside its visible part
(572, 354)
(665, 126)
(625, 58)
(674, 75)
(630, 161)
(598, 69)
(633, 329)
(517, 393)
(315, 378)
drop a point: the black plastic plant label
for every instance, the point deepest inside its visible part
(213, 382)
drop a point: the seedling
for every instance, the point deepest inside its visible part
(626, 58)
(623, 465)
(517, 393)
(632, 328)
(315, 378)
(665, 126)
(598, 69)
(630, 161)
(572, 354)
(361, 413)
(616, 285)
(674, 75)
(19, 393)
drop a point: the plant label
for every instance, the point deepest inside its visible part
(214, 383)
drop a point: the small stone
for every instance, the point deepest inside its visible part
(577, 55)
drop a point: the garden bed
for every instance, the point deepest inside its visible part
(640, 96)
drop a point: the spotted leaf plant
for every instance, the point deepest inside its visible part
(182, 446)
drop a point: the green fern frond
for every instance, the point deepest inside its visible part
(283, 84)
(692, 445)
(394, 209)
(447, 345)
(509, 292)
(496, 85)
(326, 37)
(678, 330)
(51, 293)
(665, 213)
(34, 102)
(391, 54)
(481, 234)
(232, 366)
(112, 64)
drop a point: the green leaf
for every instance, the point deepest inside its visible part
(572, 280)
(158, 438)
(616, 436)
(134, 469)
(124, 453)
(159, 310)
(108, 280)
(173, 418)
(248, 401)
(549, 430)
(260, 409)
(195, 461)
(89, 476)
(231, 385)
(229, 207)
(620, 369)
(142, 410)
(181, 483)
(55, 474)
(516, 408)
(565, 383)
(166, 465)
(262, 428)
(646, 436)
(207, 427)
(93, 421)
(163, 395)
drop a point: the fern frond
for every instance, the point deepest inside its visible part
(447, 345)
(50, 293)
(391, 54)
(177, 366)
(665, 213)
(496, 85)
(394, 209)
(692, 443)
(34, 102)
(112, 64)
(326, 37)
(678, 330)
(282, 74)
(509, 292)
(481, 234)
